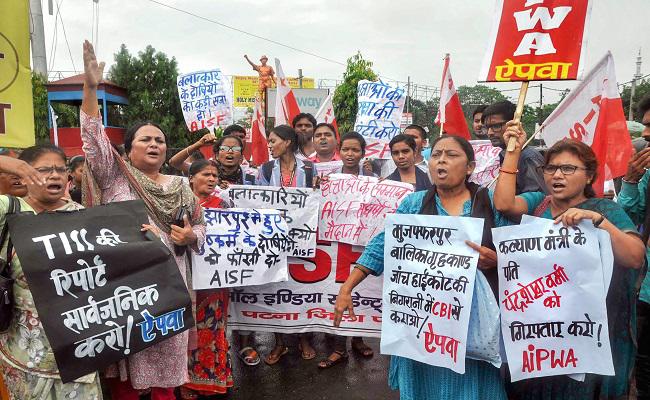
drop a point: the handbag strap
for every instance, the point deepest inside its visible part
(133, 182)
(13, 208)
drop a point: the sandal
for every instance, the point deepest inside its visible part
(249, 356)
(329, 363)
(304, 355)
(273, 359)
(362, 349)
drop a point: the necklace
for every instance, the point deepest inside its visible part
(293, 174)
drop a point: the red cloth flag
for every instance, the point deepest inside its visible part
(450, 112)
(260, 148)
(286, 106)
(326, 114)
(593, 114)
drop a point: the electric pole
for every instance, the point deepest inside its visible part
(37, 37)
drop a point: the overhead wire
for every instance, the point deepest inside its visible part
(247, 33)
(65, 35)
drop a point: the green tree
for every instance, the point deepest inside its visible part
(39, 94)
(150, 78)
(345, 95)
(642, 90)
(68, 115)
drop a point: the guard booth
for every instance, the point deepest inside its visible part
(69, 91)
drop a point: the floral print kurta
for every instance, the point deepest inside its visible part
(26, 358)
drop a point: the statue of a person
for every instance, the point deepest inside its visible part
(266, 75)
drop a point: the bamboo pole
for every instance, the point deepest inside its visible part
(518, 111)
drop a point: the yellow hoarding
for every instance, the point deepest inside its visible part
(245, 89)
(16, 108)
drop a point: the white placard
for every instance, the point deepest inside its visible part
(429, 274)
(299, 206)
(203, 100)
(552, 290)
(353, 208)
(379, 112)
(242, 247)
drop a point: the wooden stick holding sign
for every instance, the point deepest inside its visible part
(512, 143)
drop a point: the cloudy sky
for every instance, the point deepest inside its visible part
(402, 38)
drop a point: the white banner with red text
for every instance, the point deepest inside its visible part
(353, 208)
(305, 303)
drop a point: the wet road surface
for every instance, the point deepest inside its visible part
(293, 378)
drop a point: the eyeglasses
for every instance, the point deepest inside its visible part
(566, 169)
(227, 149)
(45, 171)
(496, 128)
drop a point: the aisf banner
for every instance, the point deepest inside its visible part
(536, 40)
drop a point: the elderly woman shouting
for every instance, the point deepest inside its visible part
(162, 366)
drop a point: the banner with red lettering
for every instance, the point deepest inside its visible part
(305, 303)
(536, 40)
(429, 279)
(353, 208)
(553, 282)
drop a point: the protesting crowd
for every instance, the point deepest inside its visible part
(487, 267)
(554, 184)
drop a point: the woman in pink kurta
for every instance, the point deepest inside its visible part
(164, 365)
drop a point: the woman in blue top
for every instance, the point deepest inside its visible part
(569, 170)
(286, 170)
(451, 164)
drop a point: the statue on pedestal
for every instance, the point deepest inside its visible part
(266, 76)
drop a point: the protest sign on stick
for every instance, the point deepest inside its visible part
(203, 100)
(552, 291)
(428, 287)
(242, 247)
(379, 112)
(97, 302)
(353, 208)
(298, 206)
(536, 41)
(305, 303)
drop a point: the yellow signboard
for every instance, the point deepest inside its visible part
(245, 89)
(16, 108)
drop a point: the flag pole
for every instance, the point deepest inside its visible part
(518, 111)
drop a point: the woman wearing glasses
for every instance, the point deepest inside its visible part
(569, 171)
(26, 359)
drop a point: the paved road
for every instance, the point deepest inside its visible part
(296, 379)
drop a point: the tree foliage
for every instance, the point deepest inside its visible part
(642, 90)
(67, 115)
(345, 95)
(150, 78)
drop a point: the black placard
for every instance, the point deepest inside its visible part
(103, 290)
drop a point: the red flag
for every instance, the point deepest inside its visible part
(450, 113)
(326, 114)
(286, 106)
(260, 148)
(593, 114)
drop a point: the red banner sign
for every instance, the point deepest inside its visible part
(536, 40)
